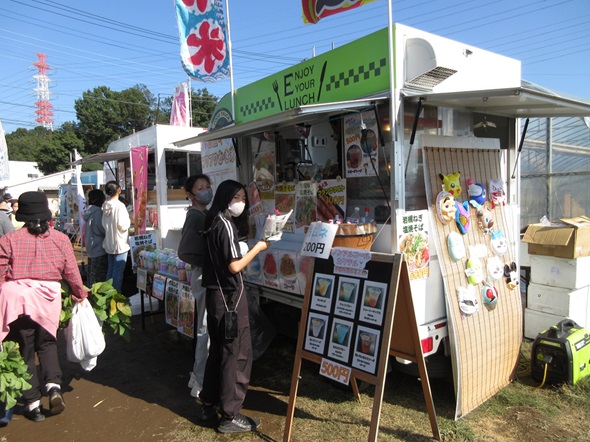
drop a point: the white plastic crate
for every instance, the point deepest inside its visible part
(150, 304)
(560, 301)
(560, 272)
(536, 322)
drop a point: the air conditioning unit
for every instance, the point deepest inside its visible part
(423, 69)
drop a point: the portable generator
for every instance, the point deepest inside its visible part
(565, 351)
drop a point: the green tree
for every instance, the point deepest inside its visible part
(52, 150)
(105, 115)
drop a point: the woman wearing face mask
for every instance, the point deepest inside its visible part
(191, 250)
(227, 373)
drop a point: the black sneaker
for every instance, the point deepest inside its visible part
(36, 415)
(207, 412)
(56, 401)
(239, 424)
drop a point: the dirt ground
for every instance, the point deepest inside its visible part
(139, 392)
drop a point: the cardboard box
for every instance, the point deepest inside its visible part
(573, 304)
(568, 239)
(560, 272)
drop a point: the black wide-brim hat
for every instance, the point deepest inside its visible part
(33, 206)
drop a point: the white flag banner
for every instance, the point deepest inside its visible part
(4, 170)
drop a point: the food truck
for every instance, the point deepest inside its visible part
(342, 137)
(167, 168)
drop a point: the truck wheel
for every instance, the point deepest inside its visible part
(438, 366)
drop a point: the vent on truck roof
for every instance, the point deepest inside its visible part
(423, 70)
(432, 78)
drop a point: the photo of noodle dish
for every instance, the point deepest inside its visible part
(305, 212)
(415, 247)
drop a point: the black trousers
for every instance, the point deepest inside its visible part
(229, 364)
(34, 339)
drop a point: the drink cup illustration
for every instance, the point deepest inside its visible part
(341, 332)
(373, 295)
(346, 290)
(366, 342)
(322, 286)
(316, 327)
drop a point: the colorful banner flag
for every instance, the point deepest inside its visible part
(139, 159)
(180, 112)
(315, 10)
(203, 39)
(4, 170)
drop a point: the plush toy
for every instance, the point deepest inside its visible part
(474, 271)
(511, 274)
(498, 242)
(495, 268)
(451, 183)
(476, 191)
(445, 207)
(456, 246)
(467, 300)
(489, 294)
(485, 217)
(462, 216)
(497, 193)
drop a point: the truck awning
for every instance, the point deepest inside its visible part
(527, 101)
(104, 157)
(304, 114)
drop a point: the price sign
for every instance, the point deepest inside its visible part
(335, 371)
(319, 239)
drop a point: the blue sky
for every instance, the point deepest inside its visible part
(125, 42)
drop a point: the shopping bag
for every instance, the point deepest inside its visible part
(85, 340)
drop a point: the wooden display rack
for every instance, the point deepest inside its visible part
(398, 331)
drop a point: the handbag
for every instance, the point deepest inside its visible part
(85, 340)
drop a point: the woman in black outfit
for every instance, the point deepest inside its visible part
(227, 372)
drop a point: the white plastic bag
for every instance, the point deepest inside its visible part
(84, 336)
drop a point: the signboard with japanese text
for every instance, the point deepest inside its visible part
(172, 302)
(145, 241)
(413, 241)
(186, 311)
(355, 319)
(319, 239)
(218, 160)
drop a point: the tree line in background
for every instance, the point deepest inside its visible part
(103, 116)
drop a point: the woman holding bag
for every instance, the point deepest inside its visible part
(33, 261)
(191, 249)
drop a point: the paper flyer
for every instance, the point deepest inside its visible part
(172, 302)
(361, 142)
(186, 313)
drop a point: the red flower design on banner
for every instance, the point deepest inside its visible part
(210, 46)
(201, 4)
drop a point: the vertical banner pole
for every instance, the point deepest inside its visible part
(231, 63)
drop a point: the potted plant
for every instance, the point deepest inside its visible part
(14, 378)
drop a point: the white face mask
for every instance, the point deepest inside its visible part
(236, 209)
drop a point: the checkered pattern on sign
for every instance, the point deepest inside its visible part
(353, 76)
(258, 106)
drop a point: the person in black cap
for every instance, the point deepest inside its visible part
(33, 261)
(7, 197)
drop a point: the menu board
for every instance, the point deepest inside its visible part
(346, 314)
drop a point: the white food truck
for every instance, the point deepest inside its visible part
(168, 167)
(348, 128)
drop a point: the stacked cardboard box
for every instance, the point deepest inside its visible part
(559, 287)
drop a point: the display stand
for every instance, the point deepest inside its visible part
(390, 321)
(144, 281)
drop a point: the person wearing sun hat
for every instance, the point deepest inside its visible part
(33, 261)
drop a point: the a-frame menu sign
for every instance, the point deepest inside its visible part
(352, 321)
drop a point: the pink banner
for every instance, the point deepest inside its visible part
(179, 115)
(139, 169)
